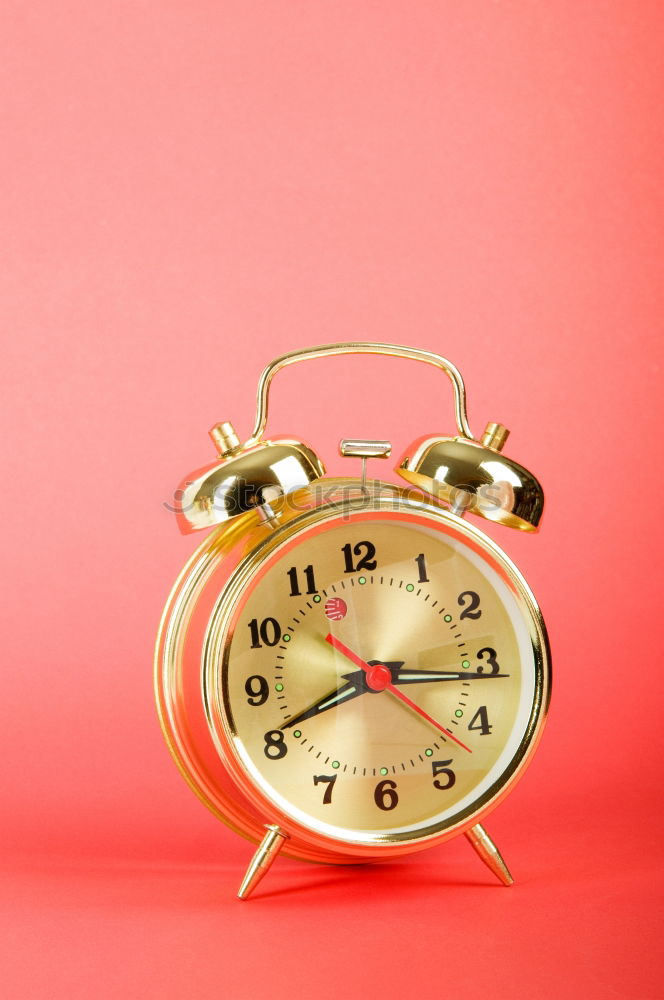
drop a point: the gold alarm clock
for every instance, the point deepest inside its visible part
(347, 669)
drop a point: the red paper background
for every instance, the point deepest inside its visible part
(190, 189)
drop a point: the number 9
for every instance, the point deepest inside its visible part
(257, 689)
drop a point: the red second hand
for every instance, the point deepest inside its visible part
(420, 711)
(359, 662)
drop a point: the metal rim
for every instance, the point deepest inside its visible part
(216, 651)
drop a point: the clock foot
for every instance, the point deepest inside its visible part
(269, 847)
(489, 853)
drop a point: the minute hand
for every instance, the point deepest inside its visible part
(424, 676)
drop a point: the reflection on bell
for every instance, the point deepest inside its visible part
(243, 479)
(475, 477)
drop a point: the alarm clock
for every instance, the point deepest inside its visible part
(347, 669)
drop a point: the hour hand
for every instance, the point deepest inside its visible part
(333, 698)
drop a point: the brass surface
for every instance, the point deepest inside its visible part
(360, 448)
(476, 479)
(224, 437)
(489, 853)
(359, 347)
(308, 841)
(236, 485)
(223, 564)
(262, 860)
(387, 621)
(242, 495)
(494, 436)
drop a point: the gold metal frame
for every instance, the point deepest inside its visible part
(462, 471)
(240, 801)
(359, 347)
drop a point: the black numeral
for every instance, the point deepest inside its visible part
(470, 602)
(366, 561)
(480, 721)
(442, 767)
(268, 632)
(489, 655)
(385, 795)
(422, 567)
(257, 689)
(275, 745)
(294, 583)
(329, 780)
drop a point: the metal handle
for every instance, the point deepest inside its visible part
(360, 347)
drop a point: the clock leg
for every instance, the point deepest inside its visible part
(489, 853)
(269, 847)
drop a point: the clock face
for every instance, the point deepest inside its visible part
(378, 677)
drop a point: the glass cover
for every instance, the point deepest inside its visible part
(379, 679)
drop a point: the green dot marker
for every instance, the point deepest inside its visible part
(297, 734)
(458, 713)
(335, 763)
(428, 752)
(448, 618)
(278, 687)
(287, 638)
(362, 580)
(465, 664)
(383, 770)
(316, 598)
(410, 587)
